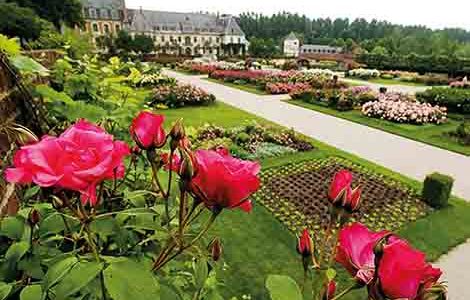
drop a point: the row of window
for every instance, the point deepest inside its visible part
(319, 51)
(174, 28)
(106, 28)
(97, 13)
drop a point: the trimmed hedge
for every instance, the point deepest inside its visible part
(456, 100)
(437, 190)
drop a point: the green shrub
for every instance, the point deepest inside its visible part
(437, 189)
(456, 100)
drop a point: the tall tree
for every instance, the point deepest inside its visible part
(58, 12)
(20, 22)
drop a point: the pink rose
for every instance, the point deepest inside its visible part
(79, 159)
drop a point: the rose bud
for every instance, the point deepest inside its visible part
(352, 201)
(216, 249)
(341, 194)
(330, 290)
(305, 244)
(435, 292)
(177, 132)
(188, 167)
(339, 186)
(147, 130)
(34, 217)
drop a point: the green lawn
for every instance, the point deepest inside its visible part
(431, 134)
(256, 244)
(250, 88)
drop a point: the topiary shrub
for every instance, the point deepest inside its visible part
(436, 190)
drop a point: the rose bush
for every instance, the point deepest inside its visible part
(405, 111)
(180, 95)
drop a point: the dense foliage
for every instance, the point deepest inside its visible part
(456, 100)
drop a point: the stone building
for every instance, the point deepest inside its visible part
(190, 34)
(291, 45)
(294, 48)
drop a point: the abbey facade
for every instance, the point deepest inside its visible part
(175, 33)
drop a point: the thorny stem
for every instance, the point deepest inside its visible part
(167, 195)
(158, 265)
(345, 292)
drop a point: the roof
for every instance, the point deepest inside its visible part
(325, 47)
(108, 4)
(291, 37)
(149, 20)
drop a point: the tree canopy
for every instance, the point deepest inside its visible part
(57, 12)
(348, 33)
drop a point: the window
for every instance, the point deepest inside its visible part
(163, 38)
(118, 28)
(231, 40)
(109, 14)
(86, 12)
(95, 27)
(239, 40)
(187, 40)
(98, 13)
(195, 39)
(106, 28)
(217, 40)
(92, 13)
(179, 39)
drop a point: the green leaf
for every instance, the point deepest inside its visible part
(52, 224)
(104, 226)
(17, 251)
(131, 280)
(10, 46)
(57, 272)
(31, 292)
(80, 275)
(12, 227)
(28, 65)
(214, 295)
(201, 271)
(31, 192)
(5, 290)
(283, 288)
(51, 95)
(167, 293)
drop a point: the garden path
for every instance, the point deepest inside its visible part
(408, 157)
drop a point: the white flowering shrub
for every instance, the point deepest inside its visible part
(364, 73)
(405, 112)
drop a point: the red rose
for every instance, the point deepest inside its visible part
(147, 130)
(79, 159)
(304, 246)
(355, 251)
(222, 181)
(404, 272)
(341, 193)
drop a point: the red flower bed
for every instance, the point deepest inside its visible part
(232, 75)
(202, 69)
(285, 88)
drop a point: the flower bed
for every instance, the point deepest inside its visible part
(405, 111)
(180, 95)
(296, 195)
(251, 142)
(233, 75)
(285, 88)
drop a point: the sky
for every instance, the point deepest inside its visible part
(432, 13)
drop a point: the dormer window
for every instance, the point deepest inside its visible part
(186, 18)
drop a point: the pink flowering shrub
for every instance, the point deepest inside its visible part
(405, 111)
(181, 95)
(250, 76)
(285, 88)
(202, 69)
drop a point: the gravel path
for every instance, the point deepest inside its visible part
(413, 159)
